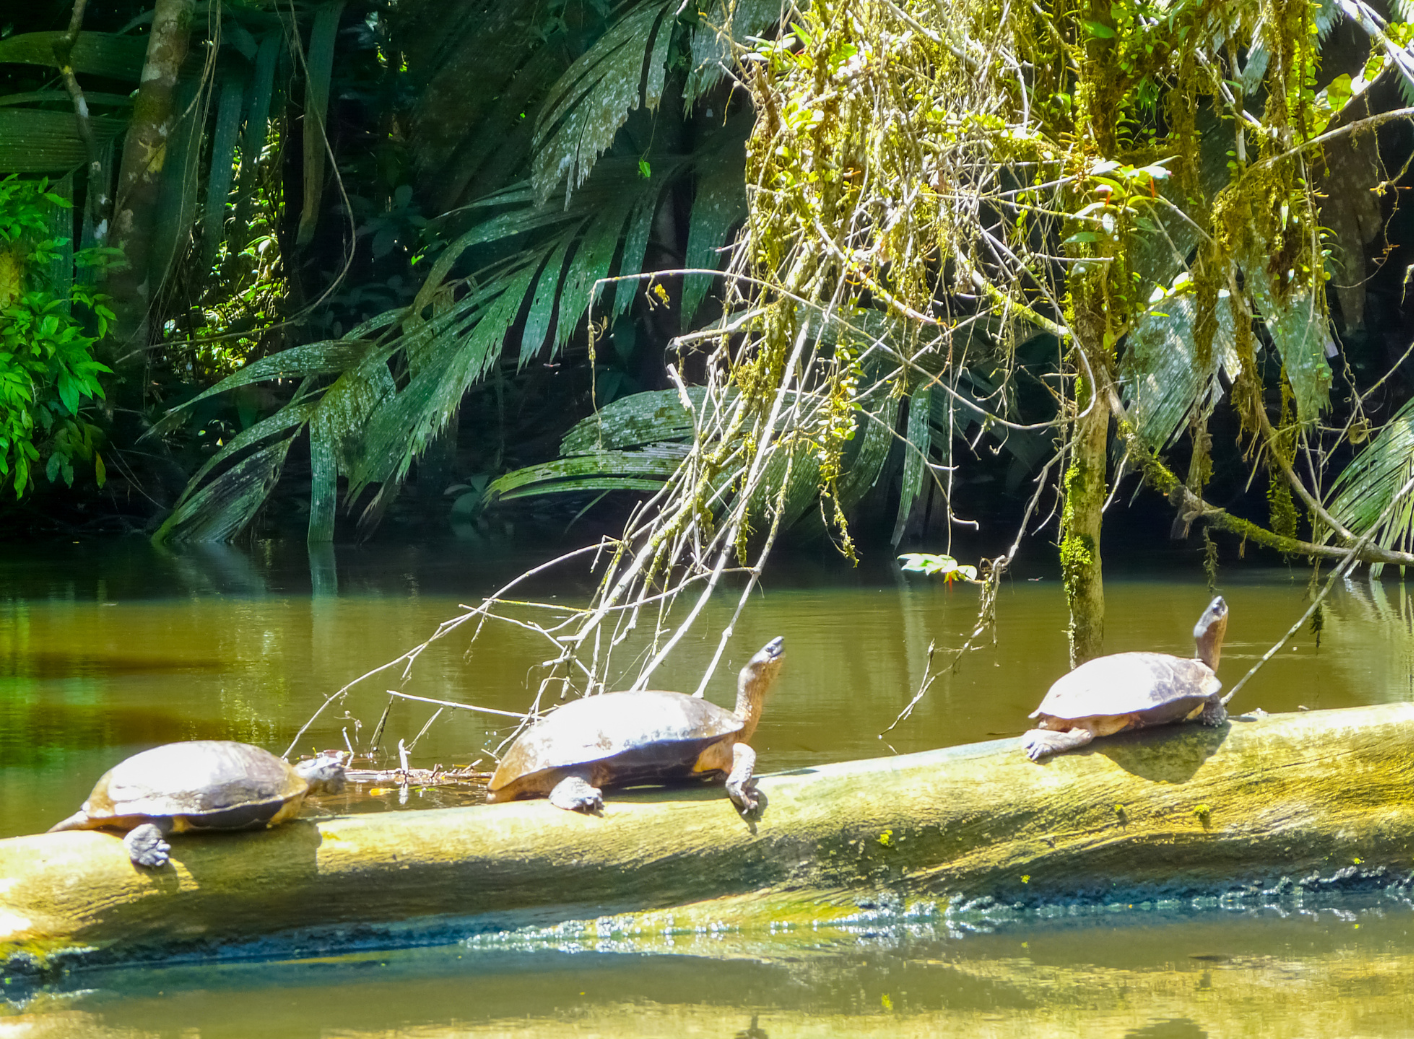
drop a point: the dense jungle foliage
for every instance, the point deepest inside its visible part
(704, 273)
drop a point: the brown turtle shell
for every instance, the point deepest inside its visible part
(647, 736)
(1157, 686)
(200, 778)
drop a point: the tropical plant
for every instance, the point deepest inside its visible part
(519, 279)
(47, 370)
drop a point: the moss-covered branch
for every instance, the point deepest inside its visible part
(1191, 507)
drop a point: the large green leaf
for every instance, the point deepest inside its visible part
(221, 508)
(721, 22)
(1369, 483)
(223, 159)
(319, 65)
(719, 205)
(915, 458)
(322, 358)
(632, 421)
(594, 97)
(33, 141)
(601, 470)
(1163, 378)
(98, 53)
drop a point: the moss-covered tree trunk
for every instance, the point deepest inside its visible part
(1098, 290)
(1085, 488)
(139, 176)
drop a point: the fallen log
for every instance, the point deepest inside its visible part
(1167, 813)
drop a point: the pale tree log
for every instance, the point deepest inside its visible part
(140, 174)
(1164, 813)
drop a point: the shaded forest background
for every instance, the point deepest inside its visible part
(379, 229)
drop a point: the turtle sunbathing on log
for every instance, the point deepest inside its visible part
(200, 785)
(626, 739)
(1133, 691)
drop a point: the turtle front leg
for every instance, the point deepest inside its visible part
(1214, 713)
(574, 794)
(1039, 742)
(145, 844)
(739, 781)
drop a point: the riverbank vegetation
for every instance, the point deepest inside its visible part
(711, 276)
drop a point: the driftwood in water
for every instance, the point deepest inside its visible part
(1163, 812)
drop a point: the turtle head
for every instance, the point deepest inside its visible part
(1209, 632)
(754, 682)
(324, 772)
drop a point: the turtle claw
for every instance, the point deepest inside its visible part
(1214, 714)
(146, 847)
(743, 797)
(1037, 743)
(576, 795)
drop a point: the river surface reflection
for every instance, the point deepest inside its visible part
(105, 650)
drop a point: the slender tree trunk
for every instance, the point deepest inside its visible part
(139, 177)
(1096, 305)
(1085, 489)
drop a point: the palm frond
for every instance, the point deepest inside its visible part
(719, 205)
(319, 66)
(223, 155)
(34, 141)
(219, 509)
(720, 23)
(97, 53)
(652, 417)
(643, 469)
(403, 424)
(593, 99)
(862, 470)
(1300, 331)
(1369, 483)
(1162, 378)
(915, 457)
(323, 358)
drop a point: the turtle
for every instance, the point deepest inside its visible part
(625, 739)
(199, 785)
(1133, 691)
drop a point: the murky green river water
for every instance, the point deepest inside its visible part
(107, 650)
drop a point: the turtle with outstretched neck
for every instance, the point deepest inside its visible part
(634, 738)
(1133, 691)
